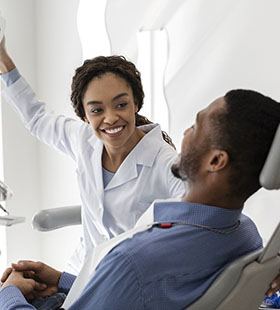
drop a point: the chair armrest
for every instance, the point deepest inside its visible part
(50, 219)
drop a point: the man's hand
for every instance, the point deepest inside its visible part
(26, 286)
(274, 286)
(40, 273)
(6, 274)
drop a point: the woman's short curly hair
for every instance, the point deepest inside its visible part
(98, 66)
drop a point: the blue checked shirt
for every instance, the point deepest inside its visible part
(163, 268)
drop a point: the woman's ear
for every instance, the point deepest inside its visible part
(219, 159)
(85, 119)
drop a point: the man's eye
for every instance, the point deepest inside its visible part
(121, 105)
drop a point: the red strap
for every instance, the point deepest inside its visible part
(165, 225)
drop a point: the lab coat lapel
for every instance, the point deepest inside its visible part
(143, 154)
(126, 172)
(96, 160)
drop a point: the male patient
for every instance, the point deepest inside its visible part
(173, 263)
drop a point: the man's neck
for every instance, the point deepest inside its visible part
(212, 197)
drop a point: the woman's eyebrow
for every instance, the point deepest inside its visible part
(92, 102)
(120, 95)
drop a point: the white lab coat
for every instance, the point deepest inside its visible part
(143, 176)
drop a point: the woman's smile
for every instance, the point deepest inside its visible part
(113, 131)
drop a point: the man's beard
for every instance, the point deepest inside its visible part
(187, 166)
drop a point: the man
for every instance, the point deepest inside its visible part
(172, 263)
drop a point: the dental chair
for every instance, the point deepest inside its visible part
(242, 285)
(50, 219)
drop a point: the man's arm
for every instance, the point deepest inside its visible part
(35, 271)
(115, 285)
(34, 280)
(55, 280)
(13, 290)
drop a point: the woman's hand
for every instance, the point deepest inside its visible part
(6, 63)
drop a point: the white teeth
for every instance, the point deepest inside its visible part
(113, 130)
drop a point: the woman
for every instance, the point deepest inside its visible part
(123, 160)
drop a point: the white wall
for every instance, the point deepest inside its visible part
(214, 46)
(20, 150)
(58, 53)
(42, 37)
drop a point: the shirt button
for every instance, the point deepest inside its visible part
(104, 237)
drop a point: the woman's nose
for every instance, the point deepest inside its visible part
(111, 117)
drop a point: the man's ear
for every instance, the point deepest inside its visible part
(218, 160)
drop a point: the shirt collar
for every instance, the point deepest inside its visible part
(194, 213)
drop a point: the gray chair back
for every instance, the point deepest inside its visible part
(243, 283)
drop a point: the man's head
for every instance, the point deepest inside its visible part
(230, 142)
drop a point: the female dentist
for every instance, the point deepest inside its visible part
(123, 160)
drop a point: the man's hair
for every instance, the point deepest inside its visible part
(246, 130)
(97, 67)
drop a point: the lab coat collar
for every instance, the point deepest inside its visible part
(149, 146)
(144, 153)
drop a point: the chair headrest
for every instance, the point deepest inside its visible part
(270, 175)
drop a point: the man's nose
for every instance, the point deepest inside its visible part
(187, 131)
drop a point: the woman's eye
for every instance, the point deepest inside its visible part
(121, 105)
(96, 110)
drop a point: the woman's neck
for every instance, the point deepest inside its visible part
(112, 157)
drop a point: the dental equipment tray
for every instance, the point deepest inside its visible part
(9, 220)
